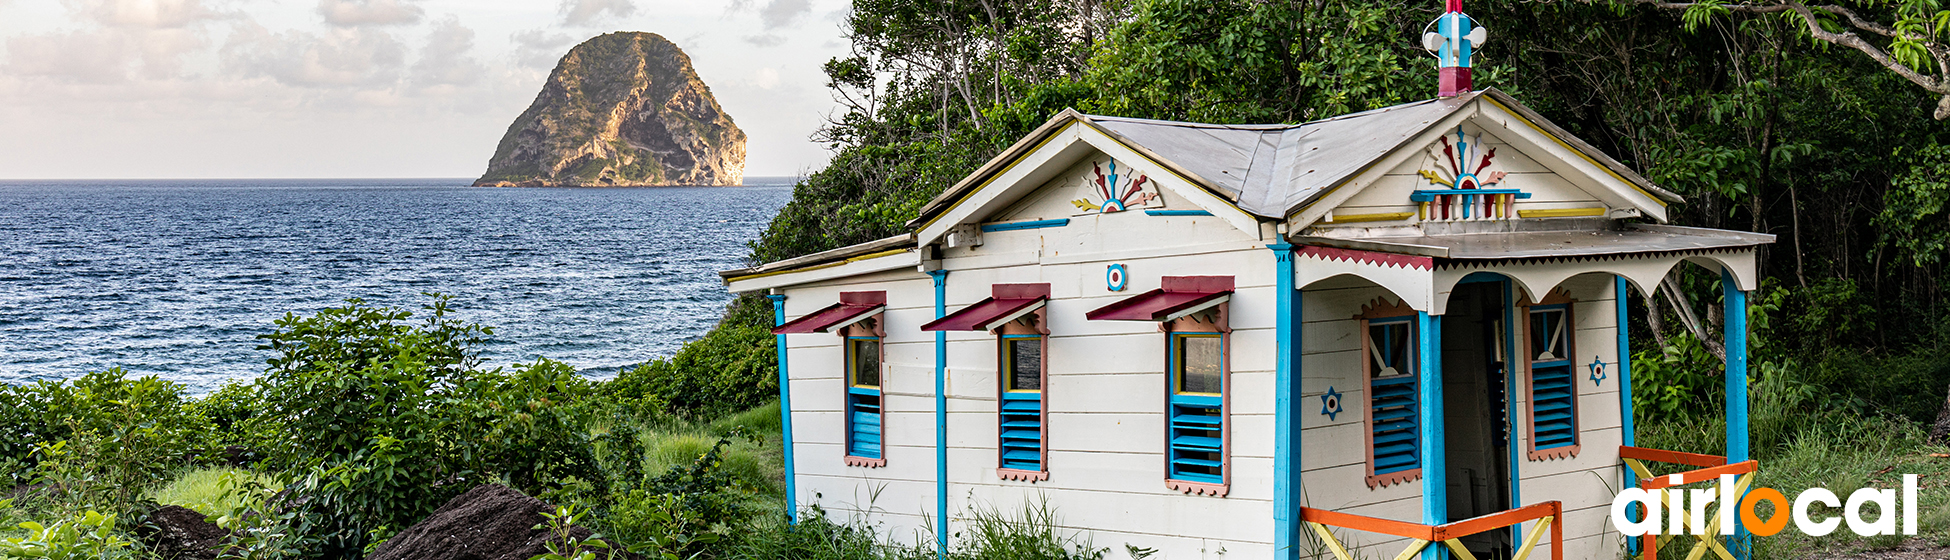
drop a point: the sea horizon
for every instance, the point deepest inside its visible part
(176, 277)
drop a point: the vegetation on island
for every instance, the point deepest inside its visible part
(369, 418)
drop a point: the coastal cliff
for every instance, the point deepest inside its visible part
(620, 110)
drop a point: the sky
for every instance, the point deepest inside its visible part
(123, 89)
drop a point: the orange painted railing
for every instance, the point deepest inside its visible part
(1710, 469)
(1449, 534)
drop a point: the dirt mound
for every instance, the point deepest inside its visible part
(180, 533)
(490, 522)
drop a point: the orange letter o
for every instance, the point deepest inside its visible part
(1751, 519)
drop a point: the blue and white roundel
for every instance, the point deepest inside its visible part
(1114, 278)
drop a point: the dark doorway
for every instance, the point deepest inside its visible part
(1474, 413)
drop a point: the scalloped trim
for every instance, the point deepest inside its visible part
(1566, 452)
(1022, 475)
(1386, 480)
(852, 461)
(1198, 488)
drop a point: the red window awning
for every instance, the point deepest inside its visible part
(1009, 302)
(1179, 296)
(853, 306)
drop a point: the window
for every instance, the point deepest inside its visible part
(1553, 387)
(1022, 418)
(1391, 344)
(1197, 369)
(863, 397)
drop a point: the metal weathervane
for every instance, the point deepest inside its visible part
(1454, 40)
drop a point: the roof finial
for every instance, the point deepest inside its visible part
(1453, 41)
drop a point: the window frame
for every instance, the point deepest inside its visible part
(1031, 326)
(1209, 323)
(1380, 311)
(1555, 301)
(868, 328)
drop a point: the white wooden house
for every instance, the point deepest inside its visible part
(1194, 338)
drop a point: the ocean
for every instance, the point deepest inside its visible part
(177, 278)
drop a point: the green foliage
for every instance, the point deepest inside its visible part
(1916, 209)
(1239, 61)
(211, 491)
(348, 376)
(99, 439)
(86, 536)
(733, 368)
(563, 545)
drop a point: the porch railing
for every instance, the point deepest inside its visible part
(1710, 469)
(1449, 534)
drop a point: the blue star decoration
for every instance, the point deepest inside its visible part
(1330, 403)
(1597, 370)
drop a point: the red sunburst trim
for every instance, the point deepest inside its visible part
(1367, 257)
(852, 461)
(1198, 488)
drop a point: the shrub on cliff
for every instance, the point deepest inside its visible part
(733, 368)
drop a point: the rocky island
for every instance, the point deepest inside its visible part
(620, 110)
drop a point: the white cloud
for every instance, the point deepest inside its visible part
(340, 58)
(540, 49)
(766, 40)
(774, 14)
(766, 78)
(145, 14)
(354, 13)
(783, 13)
(448, 58)
(585, 12)
(89, 57)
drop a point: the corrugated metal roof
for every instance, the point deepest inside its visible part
(1269, 170)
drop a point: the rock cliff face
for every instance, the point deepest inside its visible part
(622, 109)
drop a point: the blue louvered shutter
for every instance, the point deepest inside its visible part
(1197, 431)
(1553, 389)
(1394, 412)
(1022, 402)
(863, 410)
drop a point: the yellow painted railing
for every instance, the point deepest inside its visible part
(1712, 466)
(1450, 534)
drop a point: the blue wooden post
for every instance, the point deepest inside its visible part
(1736, 378)
(785, 410)
(1511, 360)
(1286, 417)
(941, 413)
(1435, 486)
(1622, 294)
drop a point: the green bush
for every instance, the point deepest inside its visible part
(733, 368)
(98, 438)
(85, 536)
(347, 376)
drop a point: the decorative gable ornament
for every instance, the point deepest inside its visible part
(1109, 191)
(1462, 185)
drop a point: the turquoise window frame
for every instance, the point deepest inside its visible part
(1394, 403)
(1553, 383)
(1023, 432)
(1195, 434)
(865, 405)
